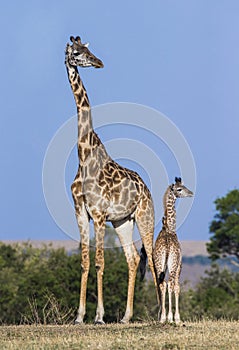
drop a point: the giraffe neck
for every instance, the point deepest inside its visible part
(169, 210)
(82, 103)
(88, 140)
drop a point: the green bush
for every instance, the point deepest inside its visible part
(43, 285)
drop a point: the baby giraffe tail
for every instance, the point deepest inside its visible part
(142, 267)
(160, 278)
(142, 262)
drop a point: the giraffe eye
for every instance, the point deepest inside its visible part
(179, 189)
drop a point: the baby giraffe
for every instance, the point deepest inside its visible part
(167, 251)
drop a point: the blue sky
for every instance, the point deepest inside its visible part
(178, 57)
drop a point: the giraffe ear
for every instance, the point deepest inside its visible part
(86, 45)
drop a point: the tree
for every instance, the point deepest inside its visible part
(216, 296)
(225, 227)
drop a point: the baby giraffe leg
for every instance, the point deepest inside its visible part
(170, 312)
(176, 293)
(162, 312)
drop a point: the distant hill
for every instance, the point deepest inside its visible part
(189, 248)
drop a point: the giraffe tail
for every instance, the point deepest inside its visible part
(142, 262)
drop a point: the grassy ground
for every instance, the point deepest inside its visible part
(152, 335)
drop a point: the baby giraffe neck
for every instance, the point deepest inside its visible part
(169, 210)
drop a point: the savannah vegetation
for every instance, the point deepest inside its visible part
(39, 295)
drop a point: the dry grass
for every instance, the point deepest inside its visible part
(151, 335)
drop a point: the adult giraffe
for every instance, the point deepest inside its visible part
(105, 191)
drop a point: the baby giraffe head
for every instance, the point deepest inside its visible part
(78, 54)
(179, 190)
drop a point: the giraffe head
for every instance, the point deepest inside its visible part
(179, 190)
(78, 54)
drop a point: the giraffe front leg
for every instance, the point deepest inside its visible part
(85, 265)
(125, 233)
(83, 223)
(99, 226)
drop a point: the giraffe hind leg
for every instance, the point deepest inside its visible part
(172, 266)
(177, 293)
(162, 311)
(145, 223)
(170, 291)
(125, 233)
(160, 263)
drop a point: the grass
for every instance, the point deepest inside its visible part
(151, 335)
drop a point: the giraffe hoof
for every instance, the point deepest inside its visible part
(162, 321)
(100, 322)
(178, 323)
(124, 321)
(77, 322)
